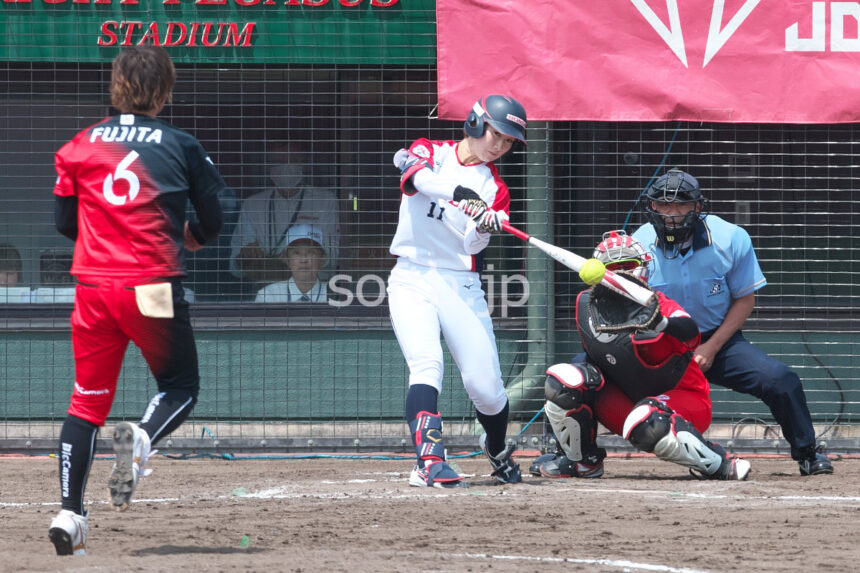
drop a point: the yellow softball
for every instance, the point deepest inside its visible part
(592, 272)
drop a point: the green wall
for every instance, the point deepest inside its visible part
(361, 375)
(272, 375)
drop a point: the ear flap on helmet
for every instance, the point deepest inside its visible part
(504, 113)
(474, 126)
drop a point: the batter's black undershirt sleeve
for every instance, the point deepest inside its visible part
(66, 216)
(683, 328)
(210, 219)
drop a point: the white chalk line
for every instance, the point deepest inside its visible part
(621, 564)
(402, 490)
(90, 502)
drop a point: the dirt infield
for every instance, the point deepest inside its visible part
(308, 515)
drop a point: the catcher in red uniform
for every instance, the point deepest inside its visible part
(637, 378)
(121, 194)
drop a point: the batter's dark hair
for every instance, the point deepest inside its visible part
(142, 79)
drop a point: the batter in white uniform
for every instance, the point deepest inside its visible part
(453, 199)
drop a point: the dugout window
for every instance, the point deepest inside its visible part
(345, 122)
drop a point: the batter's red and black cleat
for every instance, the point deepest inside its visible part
(435, 474)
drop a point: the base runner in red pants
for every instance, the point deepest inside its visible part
(121, 194)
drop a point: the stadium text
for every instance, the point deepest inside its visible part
(206, 34)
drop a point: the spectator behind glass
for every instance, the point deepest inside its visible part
(10, 265)
(266, 218)
(305, 257)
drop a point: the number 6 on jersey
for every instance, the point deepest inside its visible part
(122, 172)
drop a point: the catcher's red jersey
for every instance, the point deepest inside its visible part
(133, 175)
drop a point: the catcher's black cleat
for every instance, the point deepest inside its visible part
(505, 469)
(534, 469)
(590, 466)
(815, 462)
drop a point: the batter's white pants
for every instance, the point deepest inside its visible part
(425, 301)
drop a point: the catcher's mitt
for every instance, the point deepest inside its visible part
(612, 312)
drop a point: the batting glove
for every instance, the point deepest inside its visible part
(491, 221)
(470, 203)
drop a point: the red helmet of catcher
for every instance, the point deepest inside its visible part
(621, 252)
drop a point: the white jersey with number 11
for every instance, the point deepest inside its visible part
(426, 226)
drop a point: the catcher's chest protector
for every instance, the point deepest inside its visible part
(614, 355)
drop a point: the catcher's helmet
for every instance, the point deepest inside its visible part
(504, 113)
(674, 187)
(621, 252)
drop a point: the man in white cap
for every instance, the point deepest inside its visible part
(304, 255)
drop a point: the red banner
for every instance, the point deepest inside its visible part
(757, 61)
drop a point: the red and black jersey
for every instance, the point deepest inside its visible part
(639, 364)
(132, 176)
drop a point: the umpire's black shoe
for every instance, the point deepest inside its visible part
(815, 462)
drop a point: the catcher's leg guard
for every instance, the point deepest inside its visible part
(431, 470)
(570, 391)
(653, 427)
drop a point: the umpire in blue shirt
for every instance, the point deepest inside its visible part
(709, 266)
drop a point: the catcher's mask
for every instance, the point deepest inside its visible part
(674, 187)
(621, 252)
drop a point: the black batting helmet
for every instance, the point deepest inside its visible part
(504, 113)
(675, 186)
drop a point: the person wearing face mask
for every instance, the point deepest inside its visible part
(266, 218)
(709, 266)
